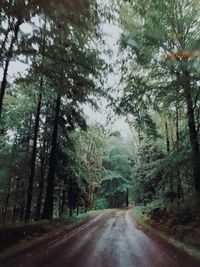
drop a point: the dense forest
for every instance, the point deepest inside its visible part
(160, 81)
(53, 162)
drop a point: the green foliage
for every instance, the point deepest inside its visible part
(158, 40)
(101, 203)
(116, 174)
(44, 143)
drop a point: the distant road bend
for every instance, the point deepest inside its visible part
(108, 240)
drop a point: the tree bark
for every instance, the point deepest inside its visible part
(33, 158)
(180, 193)
(177, 127)
(195, 154)
(167, 137)
(48, 205)
(168, 150)
(63, 201)
(127, 198)
(43, 169)
(14, 215)
(41, 187)
(8, 59)
(4, 211)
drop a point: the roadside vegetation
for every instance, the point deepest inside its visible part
(181, 235)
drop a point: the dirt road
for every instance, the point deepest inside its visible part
(109, 240)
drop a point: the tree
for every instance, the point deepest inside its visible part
(64, 69)
(117, 170)
(150, 34)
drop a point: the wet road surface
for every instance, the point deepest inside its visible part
(108, 240)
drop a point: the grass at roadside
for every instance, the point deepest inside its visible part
(21, 237)
(142, 219)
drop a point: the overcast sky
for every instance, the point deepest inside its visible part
(112, 35)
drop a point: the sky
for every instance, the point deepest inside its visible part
(111, 36)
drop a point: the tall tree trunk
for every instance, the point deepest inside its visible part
(167, 137)
(4, 211)
(90, 187)
(63, 200)
(70, 196)
(168, 150)
(43, 167)
(8, 59)
(14, 215)
(48, 205)
(33, 157)
(180, 193)
(192, 130)
(127, 198)
(8, 193)
(22, 205)
(177, 127)
(41, 188)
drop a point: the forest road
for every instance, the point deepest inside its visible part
(109, 240)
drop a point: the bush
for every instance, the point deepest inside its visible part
(101, 203)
